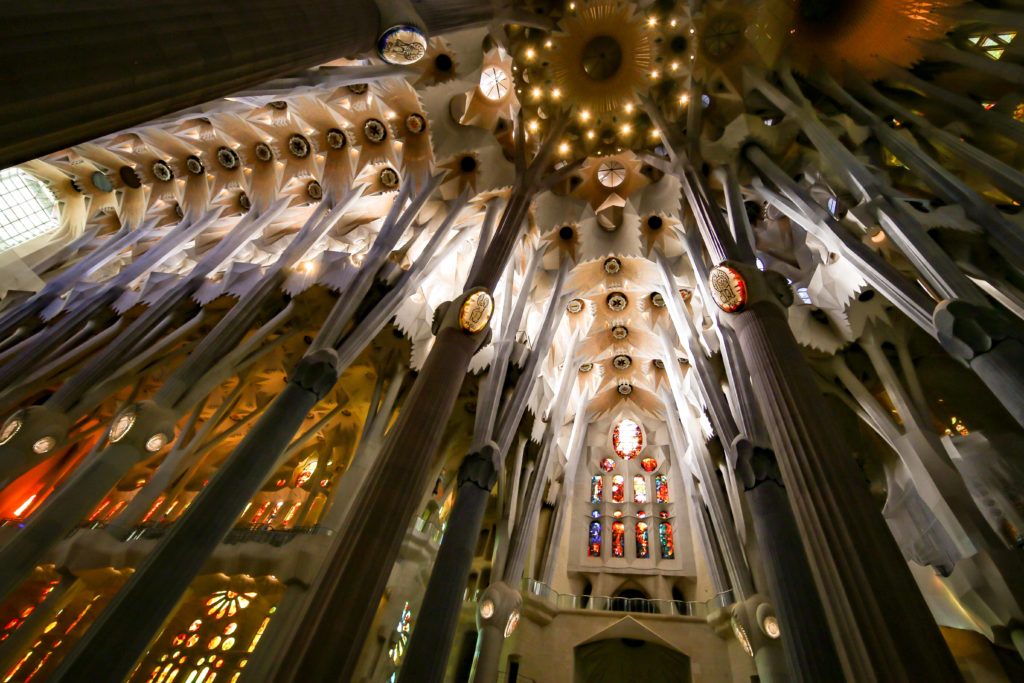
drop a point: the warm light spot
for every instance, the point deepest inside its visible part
(629, 107)
(530, 53)
(537, 93)
(626, 129)
(533, 126)
(548, 44)
(684, 98)
(674, 66)
(563, 148)
(590, 135)
(655, 74)
(673, 23)
(652, 21)
(556, 93)
(584, 115)
(24, 506)
(878, 237)
(572, 5)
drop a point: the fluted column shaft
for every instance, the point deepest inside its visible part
(880, 623)
(809, 650)
(427, 657)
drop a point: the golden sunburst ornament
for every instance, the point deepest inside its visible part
(600, 57)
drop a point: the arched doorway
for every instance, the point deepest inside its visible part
(629, 660)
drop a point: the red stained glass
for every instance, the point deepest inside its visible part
(607, 464)
(627, 439)
(649, 464)
(618, 539)
(618, 488)
(642, 550)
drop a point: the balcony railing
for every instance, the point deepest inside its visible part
(604, 603)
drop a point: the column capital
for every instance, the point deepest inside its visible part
(469, 313)
(480, 468)
(755, 465)
(967, 330)
(736, 287)
(317, 372)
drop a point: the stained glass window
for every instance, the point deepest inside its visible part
(994, 44)
(204, 642)
(400, 639)
(607, 464)
(596, 488)
(627, 439)
(618, 488)
(594, 544)
(649, 464)
(668, 546)
(661, 488)
(618, 539)
(642, 549)
(639, 489)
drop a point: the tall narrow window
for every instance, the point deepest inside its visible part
(639, 489)
(618, 488)
(400, 638)
(596, 488)
(668, 546)
(642, 549)
(618, 539)
(594, 540)
(661, 488)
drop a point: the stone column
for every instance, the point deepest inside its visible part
(810, 654)
(427, 657)
(109, 649)
(148, 60)
(879, 621)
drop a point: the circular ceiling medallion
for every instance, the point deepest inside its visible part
(402, 45)
(389, 178)
(619, 332)
(601, 58)
(315, 190)
(728, 288)
(722, 36)
(612, 265)
(129, 177)
(298, 145)
(657, 300)
(622, 362)
(244, 201)
(659, 363)
(574, 306)
(375, 130)
(101, 182)
(586, 367)
(625, 389)
(194, 165)
(415, 124)
(617, 301)
(358, 88)
(770, 626)
(611, 173)
(336, 138)
(162, 172)
(476, 312)
(263, 152)
(494, 83)
(227, 158)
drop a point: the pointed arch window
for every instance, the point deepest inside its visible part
(642, 545)
(618, 488)
(618, 538)
(596, 488)
(661, 488)
(665, 540)
(639, 489)
(594, 537)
